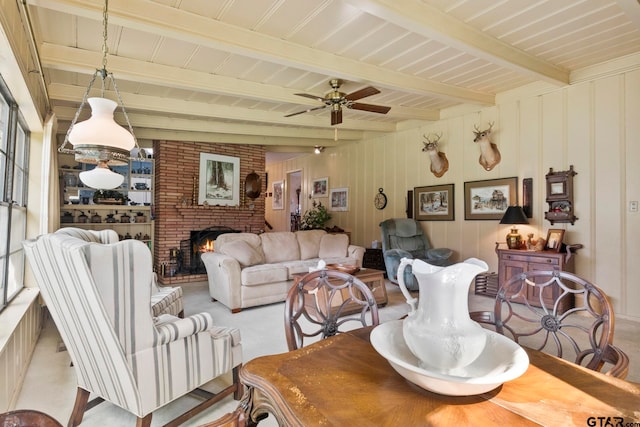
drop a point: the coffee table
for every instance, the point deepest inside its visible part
(374, 279)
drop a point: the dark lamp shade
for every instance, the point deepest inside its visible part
(514, 215)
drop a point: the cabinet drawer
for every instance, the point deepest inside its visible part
(531, 258)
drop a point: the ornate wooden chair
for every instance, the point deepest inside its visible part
(325, 303)
(99, 296)
(582, 334)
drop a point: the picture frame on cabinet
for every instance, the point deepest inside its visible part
(219, 180)
(489, 199)
(434, 203)
(554, 239)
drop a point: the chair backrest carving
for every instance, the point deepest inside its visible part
(325, 303)
(582, 334)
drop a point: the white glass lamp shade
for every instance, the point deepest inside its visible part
(101, 178)
(100, 137)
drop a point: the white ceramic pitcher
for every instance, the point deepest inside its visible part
(439, 331)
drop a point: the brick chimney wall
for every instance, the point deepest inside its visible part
(177, 163)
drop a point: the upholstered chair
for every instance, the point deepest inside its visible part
(404, 238)
(99, 296)
(164, 299)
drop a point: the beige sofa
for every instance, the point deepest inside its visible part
(246, 270)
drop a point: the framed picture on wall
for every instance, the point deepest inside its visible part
(434, 203)
(320, 187)
(219, 180)
(490, 198)
(339, 199)
(277, 202)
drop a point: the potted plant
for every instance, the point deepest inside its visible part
(315, 218)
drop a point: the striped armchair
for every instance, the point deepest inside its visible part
(164, 300)
(99, 297)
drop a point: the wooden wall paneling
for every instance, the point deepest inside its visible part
(608, 182)
(632, 192)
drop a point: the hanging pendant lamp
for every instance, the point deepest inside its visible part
(100, 140)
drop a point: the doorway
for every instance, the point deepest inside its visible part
(293, 189)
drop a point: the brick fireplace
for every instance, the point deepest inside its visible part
(177, 164)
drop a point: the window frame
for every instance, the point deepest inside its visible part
(15, 173)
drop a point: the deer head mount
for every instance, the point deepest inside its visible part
(489, 154)
(439, 162)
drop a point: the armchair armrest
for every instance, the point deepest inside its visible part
(440, 254)
(171, 328)
(356, 252)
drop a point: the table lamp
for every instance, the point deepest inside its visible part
(514, 215)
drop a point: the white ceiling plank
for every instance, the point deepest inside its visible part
(70, 59)
(170, 22)
(430, 22)
(175, 106)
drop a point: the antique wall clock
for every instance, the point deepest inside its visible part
(380, 200)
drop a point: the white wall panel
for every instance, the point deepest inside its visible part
(607, 197)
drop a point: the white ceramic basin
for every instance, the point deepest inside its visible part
(502, 360)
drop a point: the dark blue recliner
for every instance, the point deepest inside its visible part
(404, 238)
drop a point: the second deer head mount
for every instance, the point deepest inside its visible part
(489, 154)
(439, 162)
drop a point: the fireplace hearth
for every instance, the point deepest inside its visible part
(200, 241)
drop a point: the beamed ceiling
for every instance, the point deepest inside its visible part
(228, 70)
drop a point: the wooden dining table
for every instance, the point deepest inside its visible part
(343, 381)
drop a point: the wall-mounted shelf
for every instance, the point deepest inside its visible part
(138, 187)
(560, 196)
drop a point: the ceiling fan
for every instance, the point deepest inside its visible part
(336, 100)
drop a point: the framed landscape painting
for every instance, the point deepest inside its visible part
(219, 180)
(434, 203)
(490, 198)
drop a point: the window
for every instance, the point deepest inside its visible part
(14, 160)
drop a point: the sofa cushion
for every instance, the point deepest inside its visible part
(333, 245)
(263, 273)
(309, 241)
(224, 239)
(243, 252)
(280, 246)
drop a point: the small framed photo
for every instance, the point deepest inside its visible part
(320, 187)
(434, 203)
(554, 240)
(278, 195)
(339, 199)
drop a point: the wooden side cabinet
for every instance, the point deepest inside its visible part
(513, 262)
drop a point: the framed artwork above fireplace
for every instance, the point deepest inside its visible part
(219, 180)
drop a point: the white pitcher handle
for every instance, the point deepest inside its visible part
(403, 287)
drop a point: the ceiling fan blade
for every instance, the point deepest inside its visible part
(305, 111)
(362, 93)
(306, 95)
(336, 117)
(370, 107)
